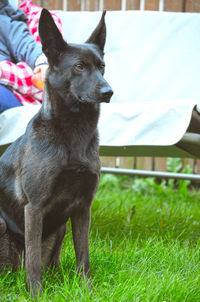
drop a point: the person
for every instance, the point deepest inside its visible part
(20, 53)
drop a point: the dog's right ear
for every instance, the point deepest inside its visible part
(52, 41)
(98, 36)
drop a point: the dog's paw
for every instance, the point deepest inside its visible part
(35, 289)
(3, 226)
(86, 280)
(89, 284)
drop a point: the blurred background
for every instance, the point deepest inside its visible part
(185, 6)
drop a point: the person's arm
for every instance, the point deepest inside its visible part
(20, 43)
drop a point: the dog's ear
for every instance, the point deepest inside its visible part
(52, 41)
(98, 36)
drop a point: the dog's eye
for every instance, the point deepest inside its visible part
(79, 67)
(102, 67)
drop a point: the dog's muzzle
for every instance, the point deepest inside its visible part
(106, 94)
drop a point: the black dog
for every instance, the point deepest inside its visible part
(51, 173)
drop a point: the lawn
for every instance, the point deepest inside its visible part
(144, 246)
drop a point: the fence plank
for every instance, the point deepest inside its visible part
(87, 5)
(108, 161)
(112, 4)
(151, 4)
(174, 6)
(192, 6)
(73, 5)
(93, 5)
(38, 2)
(52, 4)
(42, 3)
(131, 4)
(188, 161)
(125, 162)
(143, 163)
(160, 164)
(197, 166)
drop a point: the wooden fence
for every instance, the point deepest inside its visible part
(166, 5)
(161, 5)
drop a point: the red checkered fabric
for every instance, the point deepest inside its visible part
(33, 13)
(18, 76)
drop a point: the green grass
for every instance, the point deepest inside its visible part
(144, 246)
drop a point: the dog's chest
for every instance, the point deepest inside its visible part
(77, 182)
(73, 190)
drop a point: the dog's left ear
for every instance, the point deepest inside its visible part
(98, 37)
(52, 41)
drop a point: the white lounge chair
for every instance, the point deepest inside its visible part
(153, 65)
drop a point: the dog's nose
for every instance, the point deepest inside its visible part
(106, 93)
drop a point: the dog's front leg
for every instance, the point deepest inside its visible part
(80, 230)
(33, 249)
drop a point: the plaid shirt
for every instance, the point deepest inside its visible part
(18, 76)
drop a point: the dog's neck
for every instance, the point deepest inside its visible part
(62, 112)
(82, 118)
(69, 130)
(54, 107)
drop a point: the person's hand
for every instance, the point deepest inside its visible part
(42, 68)
(39, 75)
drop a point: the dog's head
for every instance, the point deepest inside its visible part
(75, 70)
